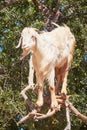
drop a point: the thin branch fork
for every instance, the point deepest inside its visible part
(37, 116)
(29, 115)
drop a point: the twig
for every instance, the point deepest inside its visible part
(31, 73)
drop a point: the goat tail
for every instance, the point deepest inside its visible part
(19, 44)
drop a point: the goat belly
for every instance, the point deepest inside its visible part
(62, 57)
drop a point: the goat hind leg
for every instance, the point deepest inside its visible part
(58, 83)
(65, 74)
(54, 103)
(64, 82)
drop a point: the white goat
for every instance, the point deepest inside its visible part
(51, 51)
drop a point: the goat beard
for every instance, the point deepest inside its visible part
(26, 51)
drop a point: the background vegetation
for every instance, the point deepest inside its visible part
(13, 73)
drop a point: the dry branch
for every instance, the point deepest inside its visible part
(24, 119)
(44, 116)
(68, 126)
(37, 116)
(69, 107)
(75, 111)
(31, 73)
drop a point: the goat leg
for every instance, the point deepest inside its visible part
(39, 102)
(64, 90)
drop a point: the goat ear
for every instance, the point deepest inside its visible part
(19, 44)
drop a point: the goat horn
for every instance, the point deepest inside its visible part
(19, 44)
(55, 24)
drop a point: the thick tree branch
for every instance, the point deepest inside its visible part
(64, 102)
(8, 3)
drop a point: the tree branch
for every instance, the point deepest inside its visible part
(8, 3)
(37, 116)
(68, 126)
(64, 102)
(76, 112)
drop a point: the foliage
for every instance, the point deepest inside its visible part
(14, 77)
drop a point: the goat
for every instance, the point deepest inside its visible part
(52, 56)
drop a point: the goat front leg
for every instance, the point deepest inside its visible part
(54, 103)
(39, 102)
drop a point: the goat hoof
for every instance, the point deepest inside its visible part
(54, 105)
(64, 92)
(39, 103)
(38, 108)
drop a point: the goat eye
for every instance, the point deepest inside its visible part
(32, 37)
